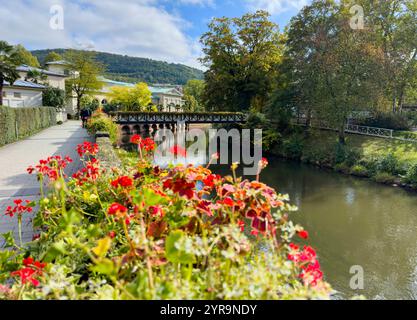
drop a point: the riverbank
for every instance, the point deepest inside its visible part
(386, 161)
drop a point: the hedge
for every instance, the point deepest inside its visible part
(18, 123)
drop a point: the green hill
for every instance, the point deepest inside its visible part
(132, 69)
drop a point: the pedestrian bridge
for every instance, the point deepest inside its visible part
(149, 118)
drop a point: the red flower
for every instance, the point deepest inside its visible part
(148, 144)
(26, 276)
(116, 209)
(241, 224)
(156, 211)
(19, 208)
(303, 234)
(178, 151)
(124, 182)
(180, 186)
(263, 163)
(136, 139)
(227, 202)
(112, 234)
(87, 148)
(28, 261)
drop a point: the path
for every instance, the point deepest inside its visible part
(16, 183)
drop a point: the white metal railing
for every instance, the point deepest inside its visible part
(370, 131)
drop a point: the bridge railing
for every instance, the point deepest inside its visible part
(174, 117)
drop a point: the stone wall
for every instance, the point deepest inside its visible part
(106, 154)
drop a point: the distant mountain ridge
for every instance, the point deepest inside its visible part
(134, 69)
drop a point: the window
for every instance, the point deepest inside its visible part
(17, 94)
(4, 94)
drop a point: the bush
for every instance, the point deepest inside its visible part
(342, 167)
(384, 177)
(359, 171)
(346, 155)
(293, 147)
(101, 122)
(386, 120)
(411, 175)
(388, 164)
(18, 123)
(144, 232)
(410, 135)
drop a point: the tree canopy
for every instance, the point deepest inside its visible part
(85, 72)
(26, 57)
(136, 98)
(9, 61)
(241, 55)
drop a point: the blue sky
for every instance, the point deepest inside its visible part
(166, 30)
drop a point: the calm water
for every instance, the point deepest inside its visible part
(354, 222)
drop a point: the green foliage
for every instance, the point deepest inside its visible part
(88, 70)
(241, 55)
(101, 122)
(344, 154)
(26, 57)
(293, 147)
(137, 98)
(133, 69)
(386, 120)
(51, 56)
(193, 95)
(53, 97)
(384, 177)
(388, 164)
(359, 171)
(90, 103)
(17, 123)
(9, 61)
(411, 176)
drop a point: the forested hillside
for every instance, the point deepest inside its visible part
(133, 69)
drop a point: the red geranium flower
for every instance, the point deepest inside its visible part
(136, 139)
(303, 234)
(124, 182)
(116, 208)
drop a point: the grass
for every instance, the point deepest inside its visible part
(405, 152)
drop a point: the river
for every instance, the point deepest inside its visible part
(354, 222)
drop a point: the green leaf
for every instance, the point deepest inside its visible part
(8, 239)
(175, 255)
(105, 266)
(55, 250)
(102, 247)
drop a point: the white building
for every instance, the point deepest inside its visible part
(22, 94)
(167, 98)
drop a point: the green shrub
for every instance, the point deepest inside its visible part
(18, 123)
(293, 147)
(344, 154)
(389, 164)
(386, 120)
(359, 171)
(270, 139)
(411, 176)
(101, 122)
(384, 177)
(406, 135)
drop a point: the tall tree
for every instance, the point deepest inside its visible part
(336, 70)
(85, 72)
(52, 56)
(241, 55)
(394, 25)
(136, 98)
(9, 61)
(26, 57)
(193, 95)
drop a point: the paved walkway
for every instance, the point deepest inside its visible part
(16, 183)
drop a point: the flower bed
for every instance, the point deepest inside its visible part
(144, 232)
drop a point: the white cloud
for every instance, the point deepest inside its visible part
(133, 27)
(202, 3)
(276, 6)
